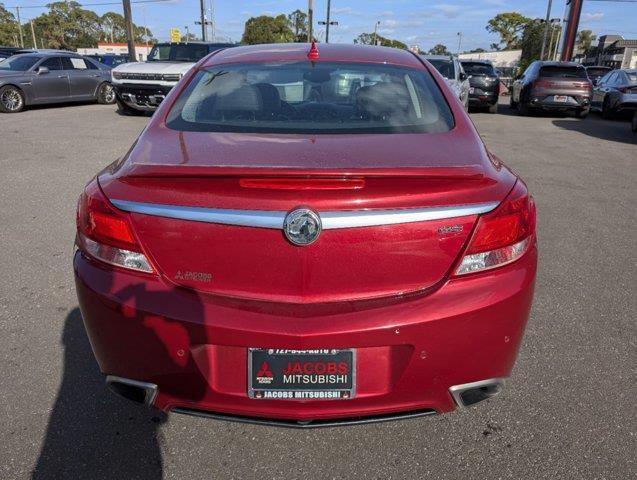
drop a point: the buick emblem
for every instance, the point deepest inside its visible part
(302, 226)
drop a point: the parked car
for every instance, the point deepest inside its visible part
(634, 122)
(6, 52)
(43, 78)
(484, 84)
(616, 93)
(596, 72)
(109, 60)
(450, 68)
(141, 86)
(552, 86)
(305, 237)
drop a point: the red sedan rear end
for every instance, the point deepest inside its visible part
(307, 238)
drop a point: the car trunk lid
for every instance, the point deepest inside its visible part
(208, 183)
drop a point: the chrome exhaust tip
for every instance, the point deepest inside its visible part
(139, 392)
(469, 394)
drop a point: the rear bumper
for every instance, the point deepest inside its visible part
(409, 354)
(546, 101)
(140, 96)
(483, 96)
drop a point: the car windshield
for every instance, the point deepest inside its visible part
(302, 97)
(445, 67)
(563, 72)
(177, 52)
(18, 64)
(597, 72)
(477, 68)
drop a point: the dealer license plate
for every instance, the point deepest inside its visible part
(277, 374)
(560, 98)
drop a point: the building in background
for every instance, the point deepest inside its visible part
(504, 60)
(142, 50)
(612, 51)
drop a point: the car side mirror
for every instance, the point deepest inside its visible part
(42, 70)
(463, 76)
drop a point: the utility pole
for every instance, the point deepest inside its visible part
(35, 44)
(17, 9)
(203, 19)
(130, 36)
(459, 41)
(376, 32)
(546, 28)
(310, 21)
(327, 23)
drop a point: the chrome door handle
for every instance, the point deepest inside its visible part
(63, 76)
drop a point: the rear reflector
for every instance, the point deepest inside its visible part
(501, 236)
(105, 233)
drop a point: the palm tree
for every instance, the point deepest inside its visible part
(585, 39)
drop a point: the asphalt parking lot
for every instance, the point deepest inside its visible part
(568, 411)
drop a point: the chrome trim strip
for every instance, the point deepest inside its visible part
(243, 218)
(330, 220)
(372, 218)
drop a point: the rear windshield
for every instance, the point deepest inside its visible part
(445, 67)
(597, 72)
(167, 52)
(563, 72)
(301, 97)
(19, 64)
(476, 68)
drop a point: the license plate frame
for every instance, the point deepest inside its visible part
(278, 360)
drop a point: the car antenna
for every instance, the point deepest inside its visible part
(313, 54)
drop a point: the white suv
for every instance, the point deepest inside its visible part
(141, 86)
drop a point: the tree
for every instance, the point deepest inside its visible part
(8, 27)
(477, 50)
(509, 26)
(265, 29)
(368, 39)
(189, 37)
(439, 49)
(298, 22)
(585, 39)
(68, 26)
(531, 42)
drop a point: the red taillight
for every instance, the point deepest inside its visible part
(105, 233)
(503, 235)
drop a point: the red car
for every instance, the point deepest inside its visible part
(306, 237)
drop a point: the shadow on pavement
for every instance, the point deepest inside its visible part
(92, 433)
(614, 131)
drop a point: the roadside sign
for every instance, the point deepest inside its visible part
(175, 35)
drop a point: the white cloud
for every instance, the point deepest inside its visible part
(448, 10)
(592, 17)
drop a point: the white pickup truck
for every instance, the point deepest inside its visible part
(141, 86)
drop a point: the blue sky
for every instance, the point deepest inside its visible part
(413, 22)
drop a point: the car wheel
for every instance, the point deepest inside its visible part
(583, 113)
(124, 109)
(106, 94)
(634, 122)
(606, 110)
(11, 99)
(513, 105)
(493, 108)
